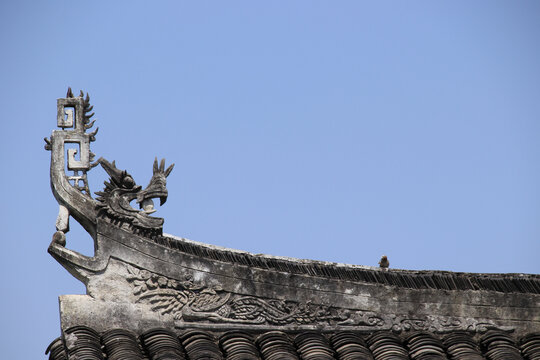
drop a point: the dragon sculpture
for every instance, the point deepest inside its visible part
(114, 201)
(72, 191)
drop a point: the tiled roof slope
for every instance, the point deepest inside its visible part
(410, 279)
(161, 344)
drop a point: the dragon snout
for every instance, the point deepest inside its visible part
(146, 200)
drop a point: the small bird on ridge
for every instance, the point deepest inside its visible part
(384, 263)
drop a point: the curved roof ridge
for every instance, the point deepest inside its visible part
(269, 256)
(412, 279)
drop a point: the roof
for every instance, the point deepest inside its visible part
(157, 296)
(83, 342)
(411, 279)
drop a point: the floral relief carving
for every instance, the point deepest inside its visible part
(443, 324)
(191, 302)
(169, 296)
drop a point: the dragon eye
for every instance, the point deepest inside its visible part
(128, 182)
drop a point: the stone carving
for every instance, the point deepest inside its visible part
(74, 118)
(169, 296)
(70, 147)
(191, 302)
(443, 324)
(121, 189)
(185, 300)
(132, 236)
(258, 311)
(74, 113)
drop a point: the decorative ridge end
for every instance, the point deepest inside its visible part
(71, 160)
(121, 189)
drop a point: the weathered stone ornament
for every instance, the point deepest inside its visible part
(114, 201)
(141, 278)
(72, 191)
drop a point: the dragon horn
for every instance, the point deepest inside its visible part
(169, 169)
(115, 174)
(155, 165)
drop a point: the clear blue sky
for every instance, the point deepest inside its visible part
(337, 131)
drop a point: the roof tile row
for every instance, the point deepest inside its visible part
(159, 344)
(445, 280)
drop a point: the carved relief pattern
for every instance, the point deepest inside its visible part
(253, 310)
(443, 324)
(190, 302)
(168, 296)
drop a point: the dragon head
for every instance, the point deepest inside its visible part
(157, 188)
(114, 201)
